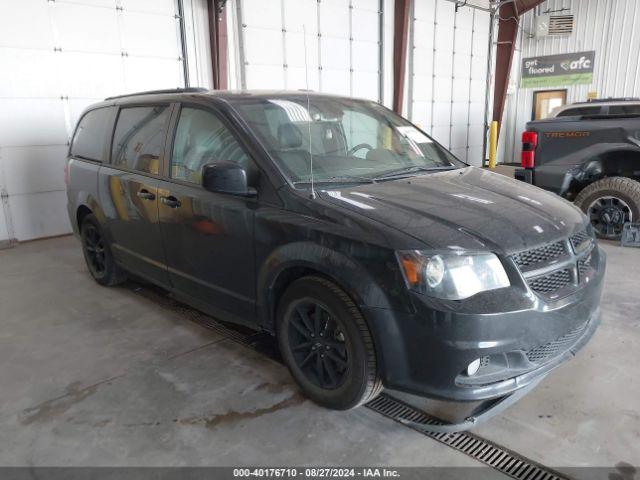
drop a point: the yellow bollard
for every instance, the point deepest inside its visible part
(493, 144)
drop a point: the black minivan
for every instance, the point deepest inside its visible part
(373, 255)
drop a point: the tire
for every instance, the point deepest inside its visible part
(346, 338)
(97, 254)
(616, 199)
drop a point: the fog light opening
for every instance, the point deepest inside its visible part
(473, 367)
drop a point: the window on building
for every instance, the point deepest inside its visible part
(201, 139)
(91, 135)
(546, 101)
(139, 138)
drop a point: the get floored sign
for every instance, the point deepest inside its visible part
(558, 70)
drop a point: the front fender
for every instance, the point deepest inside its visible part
(351, 276)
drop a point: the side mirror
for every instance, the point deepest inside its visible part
(226, 177)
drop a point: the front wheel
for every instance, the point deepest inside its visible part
(610, 203)
(327, 345)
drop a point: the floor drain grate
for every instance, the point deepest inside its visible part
(492, 455)
(495, 456)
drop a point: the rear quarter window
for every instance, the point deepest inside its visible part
(139, 137)
(92, 133)
(577, 112)
(624, 110)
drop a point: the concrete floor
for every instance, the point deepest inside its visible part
(103, 376)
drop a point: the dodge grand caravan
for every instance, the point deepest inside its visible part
(373, 255)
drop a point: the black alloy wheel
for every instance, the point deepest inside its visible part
(97, 253)
(608, 215)
(93, 245)
(327, 345)
(318, 344)
(610, 203)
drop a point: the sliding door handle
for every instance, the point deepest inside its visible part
(146, 195)
(170, 201)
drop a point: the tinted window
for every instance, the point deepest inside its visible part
(342, 138)
(92, 133)
(139, 138)
(201, 138)
(577, 112)
(624, 110)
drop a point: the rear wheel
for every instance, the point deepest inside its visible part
(97, 254)
(327, 345)
(610, 203)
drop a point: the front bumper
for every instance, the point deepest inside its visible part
(426, 352)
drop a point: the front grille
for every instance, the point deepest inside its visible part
(565, 263)
(540, 254)
(584, 266)
(578, 240)
(551, 283)
(554, 348)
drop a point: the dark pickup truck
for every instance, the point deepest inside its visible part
(593, 160)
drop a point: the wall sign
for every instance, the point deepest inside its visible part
(558, 70)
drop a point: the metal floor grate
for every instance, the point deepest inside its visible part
(489, 453)
(495, 456)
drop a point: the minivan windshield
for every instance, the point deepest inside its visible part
(346, 140)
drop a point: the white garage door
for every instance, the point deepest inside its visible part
(56, 58)
(342, 45)
(448, 75)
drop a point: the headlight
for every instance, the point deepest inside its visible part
(452, 276)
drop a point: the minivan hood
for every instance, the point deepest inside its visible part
(469, 208)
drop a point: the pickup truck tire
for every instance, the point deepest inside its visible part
(609, 203)
(97, 254)
(327, 345)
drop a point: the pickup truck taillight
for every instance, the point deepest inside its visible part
(529, 143)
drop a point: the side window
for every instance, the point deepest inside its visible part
(201, 138)
(91, 134)
(576, 112)
(139, 138)
(624, 110)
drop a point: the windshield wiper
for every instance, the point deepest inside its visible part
(340, 179)
(409, 170)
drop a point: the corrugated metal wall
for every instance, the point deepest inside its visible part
(447, 85)
(342, 45)
(610, 27)
(55, 59)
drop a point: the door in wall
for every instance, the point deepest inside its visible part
(544, 102)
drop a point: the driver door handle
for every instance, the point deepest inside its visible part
(170, 201)
(146, 194)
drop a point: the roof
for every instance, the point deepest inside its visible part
(170, 95)
(225, 94)
(595, 104)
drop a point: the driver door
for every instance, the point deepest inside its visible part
(208, 237)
